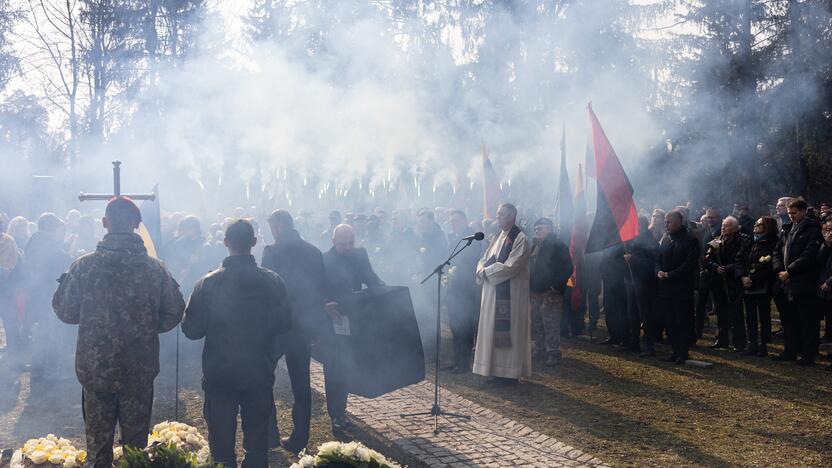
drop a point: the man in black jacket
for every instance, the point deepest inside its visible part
(463, 294)
(551, 267)
(676, 270)
(301, 266)
(795, 261)
(348, 269)
(722, 262)
(241, 310)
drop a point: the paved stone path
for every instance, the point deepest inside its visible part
(488, 439)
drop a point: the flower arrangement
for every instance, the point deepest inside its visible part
(48, 452)
(340, 453)
(765, 259)
(183, 437)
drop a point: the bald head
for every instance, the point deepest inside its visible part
(343, 238)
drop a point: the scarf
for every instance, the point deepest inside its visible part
(502, 315)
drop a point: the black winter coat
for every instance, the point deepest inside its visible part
(797, 252)
(301, 266)
(758, 264)
(679, 258)
(241, 310)
(551, 265)
(726, 253)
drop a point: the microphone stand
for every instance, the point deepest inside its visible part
(436, 410)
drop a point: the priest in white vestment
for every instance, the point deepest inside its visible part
(504, 347)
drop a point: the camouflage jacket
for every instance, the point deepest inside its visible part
(121, 299)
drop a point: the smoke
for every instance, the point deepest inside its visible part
(371, 112)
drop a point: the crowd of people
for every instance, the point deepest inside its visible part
(508, 301)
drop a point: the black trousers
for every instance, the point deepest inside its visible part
(638, 312)
(802, 328)
(827, 319)
(615, 310)
(703, 297)
(335, 379)
(220, 410)
(758, 313)
(729, 321)
(678, 315)
(298, 352)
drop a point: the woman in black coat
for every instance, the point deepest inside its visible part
(757, 273)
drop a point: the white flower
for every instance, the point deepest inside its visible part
(329, 448)
(348, 450)
(118, 452)
(38, 457)
(17, 459)
(70, 463)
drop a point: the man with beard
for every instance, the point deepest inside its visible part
(241, 310)
(551, 267)
(504, 348)
(348, 269)
(301, 266)
(795, 261)
(121, 299)
(676, 268)
(721, 263)
(462, 293)
(46, 259)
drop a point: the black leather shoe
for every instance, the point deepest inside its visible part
(291, 445)
(805, 362)
(608, 342)
(785, 357)
(671, 358)
(750, 351)
(647, 353)
(681, 361)
(340, 424)
(719, 345)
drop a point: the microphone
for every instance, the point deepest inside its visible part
(478, 236)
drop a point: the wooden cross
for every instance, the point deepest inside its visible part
(116, 189)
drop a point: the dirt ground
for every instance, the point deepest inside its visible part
(631, 411)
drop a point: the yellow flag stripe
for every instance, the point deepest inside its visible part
(148, 242)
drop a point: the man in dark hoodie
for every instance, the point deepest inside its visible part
(121, 299)
(795, 261)
(241, 310)
(301, 266)
(551, 267)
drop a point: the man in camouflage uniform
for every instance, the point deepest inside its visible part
(121, 300)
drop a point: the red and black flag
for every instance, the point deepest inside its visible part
(492, 194)
(616, 217)
(577, 245)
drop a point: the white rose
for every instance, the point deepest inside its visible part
(17, 459)
(192, 439)
(38, 457)
(363, 454)
(348, 450)
(70, 463)
(328, 448)
(118, 452)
